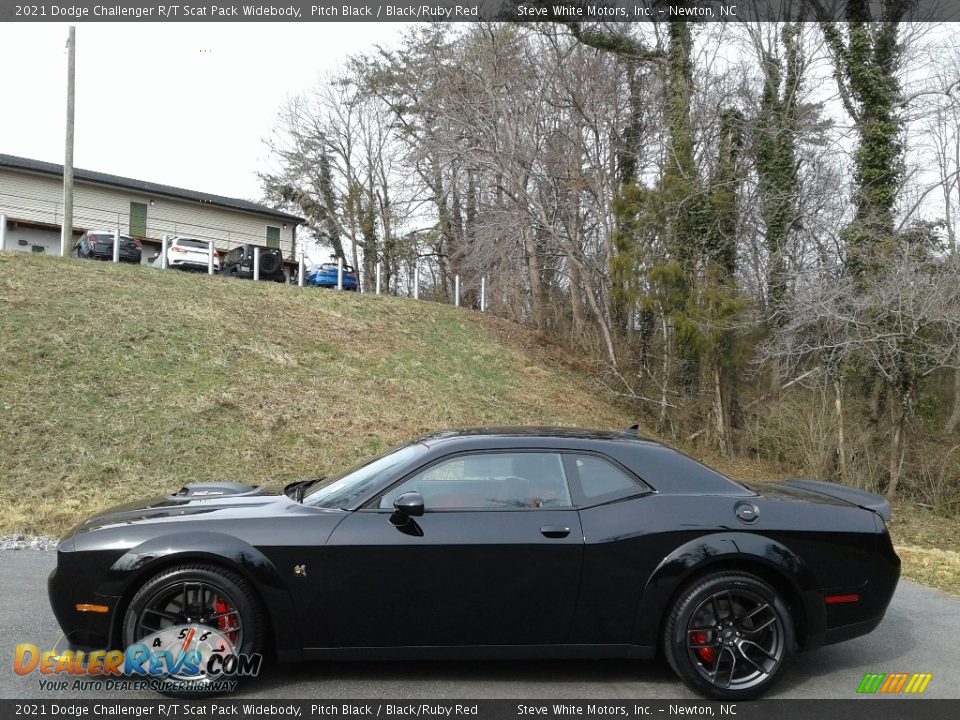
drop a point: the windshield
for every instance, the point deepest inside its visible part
(342, 491)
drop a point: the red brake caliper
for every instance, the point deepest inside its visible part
(225, 624)
(704, 653)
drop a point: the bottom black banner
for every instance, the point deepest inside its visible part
(854, 709)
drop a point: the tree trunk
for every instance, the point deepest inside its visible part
(954, 420)
(665, 381)
(535, 279)
(601, 318)
(896, 453)
(876, 399)
(720, 402)
(841, 441)
(576, 300)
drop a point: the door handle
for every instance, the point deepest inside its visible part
(555, 531)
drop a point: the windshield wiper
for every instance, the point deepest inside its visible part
(300, 488)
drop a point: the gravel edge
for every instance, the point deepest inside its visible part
(28, 542)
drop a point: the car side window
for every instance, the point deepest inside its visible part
(489, 481)
(602, 480)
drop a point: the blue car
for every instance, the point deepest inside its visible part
(325, 275)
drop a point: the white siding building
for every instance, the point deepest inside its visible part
(31, 199)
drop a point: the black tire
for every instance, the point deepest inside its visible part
(235, 591)
(269, 263)
(728, 636)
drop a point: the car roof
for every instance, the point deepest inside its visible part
(534, 432)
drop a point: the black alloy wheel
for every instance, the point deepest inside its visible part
(728, 636)
(197, 594)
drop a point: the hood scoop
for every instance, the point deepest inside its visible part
(215, 489)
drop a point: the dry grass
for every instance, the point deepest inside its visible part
(120, 382)
(931, 566)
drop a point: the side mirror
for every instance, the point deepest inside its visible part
(410, 504)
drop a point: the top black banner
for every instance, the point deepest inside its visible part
(568, 11)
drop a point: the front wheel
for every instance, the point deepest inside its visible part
(728, 636)
(176, 607)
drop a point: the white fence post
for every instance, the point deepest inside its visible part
(456, 291)
(378, 278)
(116, 245)
(210, 259)
(416, 282)
(300, 273)
(483, 294)
(3, 233)
(256, 263)
(339, 273)
(163, 252)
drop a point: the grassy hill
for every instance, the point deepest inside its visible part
(119, 382)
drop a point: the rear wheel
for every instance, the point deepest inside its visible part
(728, 636)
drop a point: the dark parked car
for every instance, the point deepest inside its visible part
(325, 275)
(98, 245)
(516, 542)
(239, 263)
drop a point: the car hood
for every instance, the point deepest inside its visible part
(221, 499)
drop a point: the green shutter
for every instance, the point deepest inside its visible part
(273, 237)
(138, 219)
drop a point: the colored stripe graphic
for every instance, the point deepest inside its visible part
(920, 682)
(871, 682)
(894, 683)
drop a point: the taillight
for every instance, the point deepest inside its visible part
(177, 249)
(137, 244)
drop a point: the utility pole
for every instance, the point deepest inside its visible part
(66, 230)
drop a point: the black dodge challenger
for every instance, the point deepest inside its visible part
(495, 543)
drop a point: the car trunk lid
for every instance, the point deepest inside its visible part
(828, 491)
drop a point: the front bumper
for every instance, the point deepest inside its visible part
(73, 582)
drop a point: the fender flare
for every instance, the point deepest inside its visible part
(133, 568)
(699, 555)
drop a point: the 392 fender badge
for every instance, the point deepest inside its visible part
(300, 570)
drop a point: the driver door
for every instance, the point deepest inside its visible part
(494, 560)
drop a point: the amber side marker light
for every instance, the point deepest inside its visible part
(87, 607)
(834, 599)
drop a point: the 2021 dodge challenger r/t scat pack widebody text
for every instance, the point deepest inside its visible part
(495, 543)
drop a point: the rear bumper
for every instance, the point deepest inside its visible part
(192, 264)
(245, 272)
(125, 255)
(828, 623)
(327, 283)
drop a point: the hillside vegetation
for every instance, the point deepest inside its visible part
(119, 382)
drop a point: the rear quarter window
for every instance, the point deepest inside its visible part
(666, 469)
(601, 480)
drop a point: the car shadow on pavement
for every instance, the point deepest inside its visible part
(464, 679)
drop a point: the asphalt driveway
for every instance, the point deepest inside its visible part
(921, 633)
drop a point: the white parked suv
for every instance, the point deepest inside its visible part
(188, 254)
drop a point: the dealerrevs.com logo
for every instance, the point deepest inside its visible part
(176, 659)
(894, 683)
